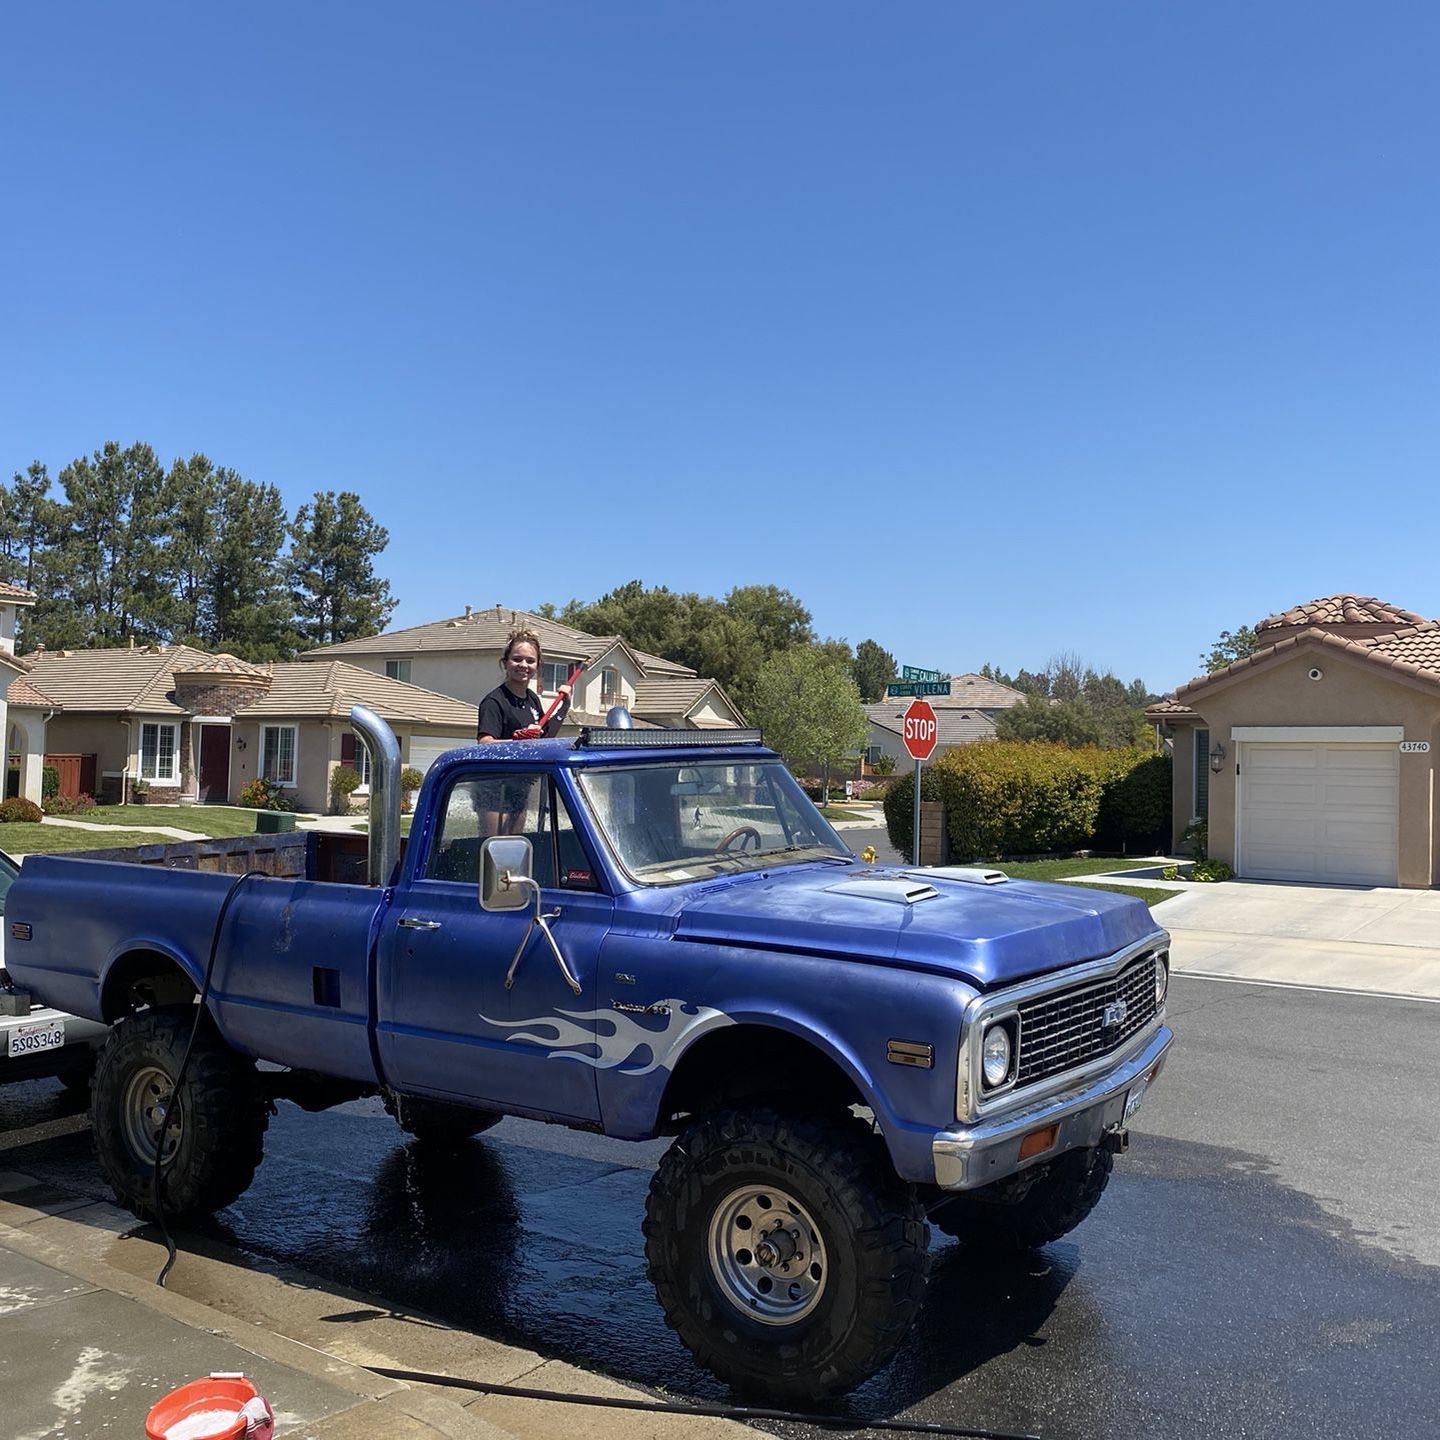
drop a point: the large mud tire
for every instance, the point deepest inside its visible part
(434, 1122)
(1053, 1206)
(857, 1251)
(216, 1137)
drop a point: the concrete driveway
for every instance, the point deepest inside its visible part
(1384, 942)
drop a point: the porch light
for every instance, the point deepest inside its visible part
(1217, 757)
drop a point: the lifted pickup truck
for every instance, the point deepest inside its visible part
(642, 933)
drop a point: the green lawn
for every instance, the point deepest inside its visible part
(21, 838)
(1152, 897)
(1064, 869)
(838, 812)
(217, 821)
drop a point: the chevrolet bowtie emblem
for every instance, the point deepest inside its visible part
(1113, 1015)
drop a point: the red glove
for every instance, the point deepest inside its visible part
(530, 732)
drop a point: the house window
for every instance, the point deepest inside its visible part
(398, 670)
(356, 756)
(160, 753)
(873, 753)
(277, 753)
(1202, 775)
(553, 674)
(610, 691)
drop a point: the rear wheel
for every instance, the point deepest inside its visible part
(786, 1253)
(1053, 1205)
(214, 1141)
(435, 1122)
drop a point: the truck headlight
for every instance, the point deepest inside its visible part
(1162, 977)
(995, 1054)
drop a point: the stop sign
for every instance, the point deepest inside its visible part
(920, 731)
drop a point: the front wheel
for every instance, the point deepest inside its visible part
(214, 1141)
(786, 1253)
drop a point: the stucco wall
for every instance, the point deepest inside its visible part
(105, 737)
(1351, 693)
(1183, 771)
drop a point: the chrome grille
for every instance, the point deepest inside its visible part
(1067, 1028)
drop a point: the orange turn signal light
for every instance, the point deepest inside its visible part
(1037, 1142)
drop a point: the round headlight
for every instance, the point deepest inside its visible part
(1162, 977)
(995, 1055)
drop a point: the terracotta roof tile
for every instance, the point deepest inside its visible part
(979, 692)
(1342, 610)
(954, 726)
(1166, 710)
(675, 695)
(23, 691)
(16, 594)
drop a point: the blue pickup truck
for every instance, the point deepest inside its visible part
(643, 933)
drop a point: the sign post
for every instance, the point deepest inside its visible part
(920, 731)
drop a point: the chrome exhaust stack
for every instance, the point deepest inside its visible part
(383, 857)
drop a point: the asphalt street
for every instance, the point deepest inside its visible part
(1265, 1262)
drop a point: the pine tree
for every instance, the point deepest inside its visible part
(334, 589)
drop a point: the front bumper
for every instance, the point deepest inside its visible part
(975, 1155)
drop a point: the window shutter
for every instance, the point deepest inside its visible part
(347, 749)
(1202, 774)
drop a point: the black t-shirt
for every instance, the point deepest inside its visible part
(502, 713)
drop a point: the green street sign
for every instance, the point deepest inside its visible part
(918, 687)
(912, 672)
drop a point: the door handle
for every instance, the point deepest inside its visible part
(409, 922)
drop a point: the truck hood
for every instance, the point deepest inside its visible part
(988, 935)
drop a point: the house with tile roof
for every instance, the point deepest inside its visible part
(197, 727)
(461, 657)
(965, 715)
(1314, 759)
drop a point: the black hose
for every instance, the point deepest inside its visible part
(748, 1413)
(174, 1099)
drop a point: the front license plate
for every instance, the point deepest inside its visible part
(1136, 1095)
(32, 1039)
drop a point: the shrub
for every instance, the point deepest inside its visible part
(411, 778)
(17, 809)
(1195, 839)
(69, 804)
(1134, 799)
(49, 782)
(344, 779)
(900, 807)
(884, 765)
(1017, 797)
(1211, 870)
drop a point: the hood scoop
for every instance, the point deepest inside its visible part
(971, 874)
(897, 892)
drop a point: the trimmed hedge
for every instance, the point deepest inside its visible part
(18, 809)
(1032, 797)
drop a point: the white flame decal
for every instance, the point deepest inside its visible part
(618, 1037)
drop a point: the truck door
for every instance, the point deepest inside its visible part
(448, 1026)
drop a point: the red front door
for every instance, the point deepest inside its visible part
(214, 764)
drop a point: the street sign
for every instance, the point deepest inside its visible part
(912, 672)
(918, 687)
(920, 730)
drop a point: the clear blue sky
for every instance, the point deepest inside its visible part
(989, 329)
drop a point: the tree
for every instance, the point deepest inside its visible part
(334, 589)
(872, 670)
(1066, 722)
(809, 708)
(108, 573)
(27, 515)
(250, 604)
(1230, 647)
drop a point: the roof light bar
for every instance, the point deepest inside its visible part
(596, 737)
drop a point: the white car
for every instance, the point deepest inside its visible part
(35, 1040)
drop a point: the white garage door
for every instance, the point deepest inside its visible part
(1328, 814)
(426, 749)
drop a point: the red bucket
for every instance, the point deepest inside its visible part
(221, 1407)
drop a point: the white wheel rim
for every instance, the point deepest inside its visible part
(767, 1255)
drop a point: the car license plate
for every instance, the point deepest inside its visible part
(33, 1038)
(1136, 1095)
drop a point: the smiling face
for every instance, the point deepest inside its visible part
(521, 660)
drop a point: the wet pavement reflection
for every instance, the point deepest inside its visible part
(1202, 1299)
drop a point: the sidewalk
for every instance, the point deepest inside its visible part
(88, 1343)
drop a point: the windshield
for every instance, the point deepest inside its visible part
(684, 821)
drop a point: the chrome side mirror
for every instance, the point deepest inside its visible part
(504, 860)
